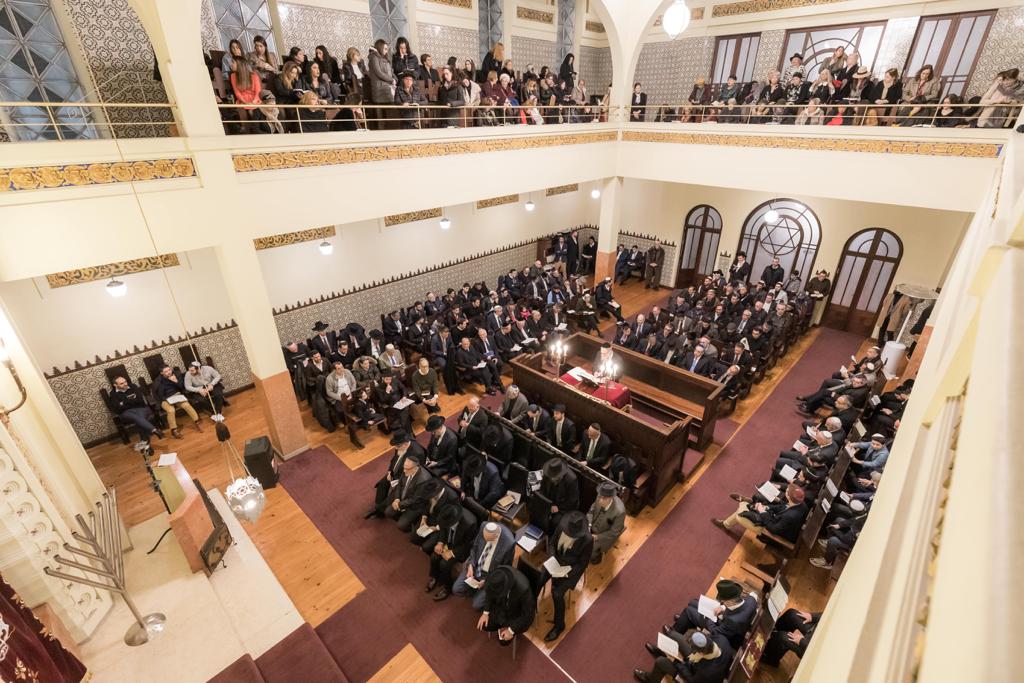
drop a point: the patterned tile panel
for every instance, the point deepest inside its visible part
(497, 201)
(595, 67)
(537, 15)
(667, 70)
(307, 27)
(894, 50)
(461, 4)
(1003, 49)
(411, 217)
(769, 53)
(209, 34)
(533, 51)
(443, 42)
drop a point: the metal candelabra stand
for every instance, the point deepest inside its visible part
(105, 555)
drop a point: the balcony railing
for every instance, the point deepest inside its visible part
(33, 121)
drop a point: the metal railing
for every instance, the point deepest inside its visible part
(28, 121)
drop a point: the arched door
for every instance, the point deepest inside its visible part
(864, 275)
(781, 228)
(702, 230)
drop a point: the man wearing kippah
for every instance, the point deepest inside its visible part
(705, 659)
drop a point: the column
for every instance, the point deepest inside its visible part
(173, 29)
(252, 310)
(565, 31)
(608, 227)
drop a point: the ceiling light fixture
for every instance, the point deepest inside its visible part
(326, 248)
(116, 288)
(676, 18)
(445, 222)
(530, 206)
(595, 194)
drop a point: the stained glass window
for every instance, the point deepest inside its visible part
(791, 234)
(818, 44)
(951, 43)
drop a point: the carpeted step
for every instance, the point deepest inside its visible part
(242, 670)
(301, 656)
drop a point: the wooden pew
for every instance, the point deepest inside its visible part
(659, 387)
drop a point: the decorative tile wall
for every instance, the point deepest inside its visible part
(894, 50)
(667, 70)
(533, 51)
(443, 42)
(308, 27)
(208, 27)
(77, 390)
(595, 67)
(769, 52)
(1003, 49)
(120, 57)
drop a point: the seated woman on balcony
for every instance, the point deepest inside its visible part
(841, 115)
(328, 66)
(227, 62)
(812, 114)
(732, 112)
(317, 82)
(354, 76)
(768, 105)
(950, 115)
(492, 90)
(246, 86)
(449, 94)
(297, 55)
(484, 116)
(469, 69)
(924, 88)
(287, 89)
(1005, 90)
(700, 96)
(263, 62)
(844, 76)
(823, 89)
(529, 114)
(884, 93)
(470, 89)
(426, 70)
(312, 120)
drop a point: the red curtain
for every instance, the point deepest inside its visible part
(29, 651)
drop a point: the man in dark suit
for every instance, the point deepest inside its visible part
(625, 337)
(634, 261)
(559, 485)
(345, 353)
(509, 605)
(572, 245)
(498, 443)
(472, 423)
(480, 481)
(393, 328)
(739, 271)
(654, 260)
(604, 301)
(473, 365)
(535, 326)
(737, 354)
(405, 446)
(829, 424)
(314, 369)
(638, 110)
(782, 518)
(493, 547)
(452, 545)
(734, 616)
(495, 319)
(855, 389)
(487, 348)
(562, 434)
(596, 448)
(323, 341)
(823, 448)
(416, 333)
(537, 421)
(696, 362)
(587, 256)
(436, 496)
(443, 448)
(649, 346)
(407, 500)
(571, 545)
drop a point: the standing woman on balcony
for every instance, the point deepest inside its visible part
(328, 65)
(403, 59)
(317, 82)
(837, 62)
(924, 88)
(885, 93)
(493, 61)
(245, 83)
(354, 75)
(449, 94)
(382, 84)
(263, 62)
(227, 62)
(567, 72)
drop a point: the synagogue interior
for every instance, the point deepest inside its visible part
(594, 341)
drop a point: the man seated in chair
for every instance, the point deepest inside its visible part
(204, 381)
(735, 615)
(509, 606)
(493, 547)
(452, 544)
(169, 390)
(480, 481)
(476, 367)
(607, 517)
(572, 546)
(338, 387)
(405, 446)
(126, 401)
(705, 659)
(391, 359)
(869, 456)
(407, 500)
(443, 448)
(781, 518)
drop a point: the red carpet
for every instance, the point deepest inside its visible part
(681, 558)
(301, 656)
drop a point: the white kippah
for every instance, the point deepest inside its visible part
(491, 527)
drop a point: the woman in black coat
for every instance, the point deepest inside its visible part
(404, 59)
(449, 93)
(328, 64)
(567, 72)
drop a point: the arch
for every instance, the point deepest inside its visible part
(793, 237)
(865, 273)
(702, 230)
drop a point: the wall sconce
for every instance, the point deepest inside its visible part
(5, 360)
(116, 288)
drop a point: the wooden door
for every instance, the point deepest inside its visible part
(701, 232)
(863, 277)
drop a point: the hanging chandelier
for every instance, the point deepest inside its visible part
(244, 494)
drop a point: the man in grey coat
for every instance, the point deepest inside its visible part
(607, 518)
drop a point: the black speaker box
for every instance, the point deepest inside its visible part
(259, 460)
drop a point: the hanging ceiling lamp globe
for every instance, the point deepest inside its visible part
(246, 498)
(676, 18)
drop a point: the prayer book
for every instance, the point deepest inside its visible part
(533, 531)
(472, 582)
(166, 459)
(424, 531)
(769, 491)
(505, 502)
(527, 543)
(556, 570)
(707, 607)
(787, 473)
(811, 431)
(831, 487)
(177, 398)
(799, 447)
(845, 497)
(668, 646)
(874, 400)
(480, 365)
(826, 505)
(777, 600)
(403, 403)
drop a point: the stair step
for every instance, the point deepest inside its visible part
(301, 656)
(242, 670)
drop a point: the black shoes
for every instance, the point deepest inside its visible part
(371, 513)
(441, 595)
(430, 585)
(596, 559)
(655, 652)
(553, 634)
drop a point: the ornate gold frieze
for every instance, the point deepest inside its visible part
(595, 27)
(272, 161)
(399, 218)
(103, 173)
(461, 4)
(561, 189)
(980, 150)
(294, 237)
(497, 201)
(732, 9)
(139, 265)
(535, 15)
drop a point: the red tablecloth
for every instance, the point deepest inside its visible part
(613, 392)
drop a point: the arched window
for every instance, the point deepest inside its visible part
(781, 228)
(864, 275)
(701, 232)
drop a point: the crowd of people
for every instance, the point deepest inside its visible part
(394, 87)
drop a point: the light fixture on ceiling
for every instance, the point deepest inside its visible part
(595, 194)
(676, 18)
(116, 288)
(326, 248)
(772, 216)
(530, 206)
(445, 222)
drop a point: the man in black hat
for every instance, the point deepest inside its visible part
(572, 546)
(435, 497)
(405, 446)
(408, 95)
(451, 546)
(734, 616)
(323, 341)
(739, 271)
(559, 485)
(498, 443)
(407, 499)
(607, 517)
(443, 449)
(480, 481)
(509, 604)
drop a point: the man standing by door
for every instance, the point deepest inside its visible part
(655, 261)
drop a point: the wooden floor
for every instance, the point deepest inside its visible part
(318, 580)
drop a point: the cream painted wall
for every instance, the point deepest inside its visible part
(930, 237)
(77, 322)
(367, 251)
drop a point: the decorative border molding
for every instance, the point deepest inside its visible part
(411, 216)
(461, 4)
(594, 26)
(310, 158)
(294, 237)
(696, 14)
(976, 150)
(561, 189)
(497, 201)
(23, 178)
(644, 236)
(733, 9)
(139, 265)
(151, 346)
(534, 15)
